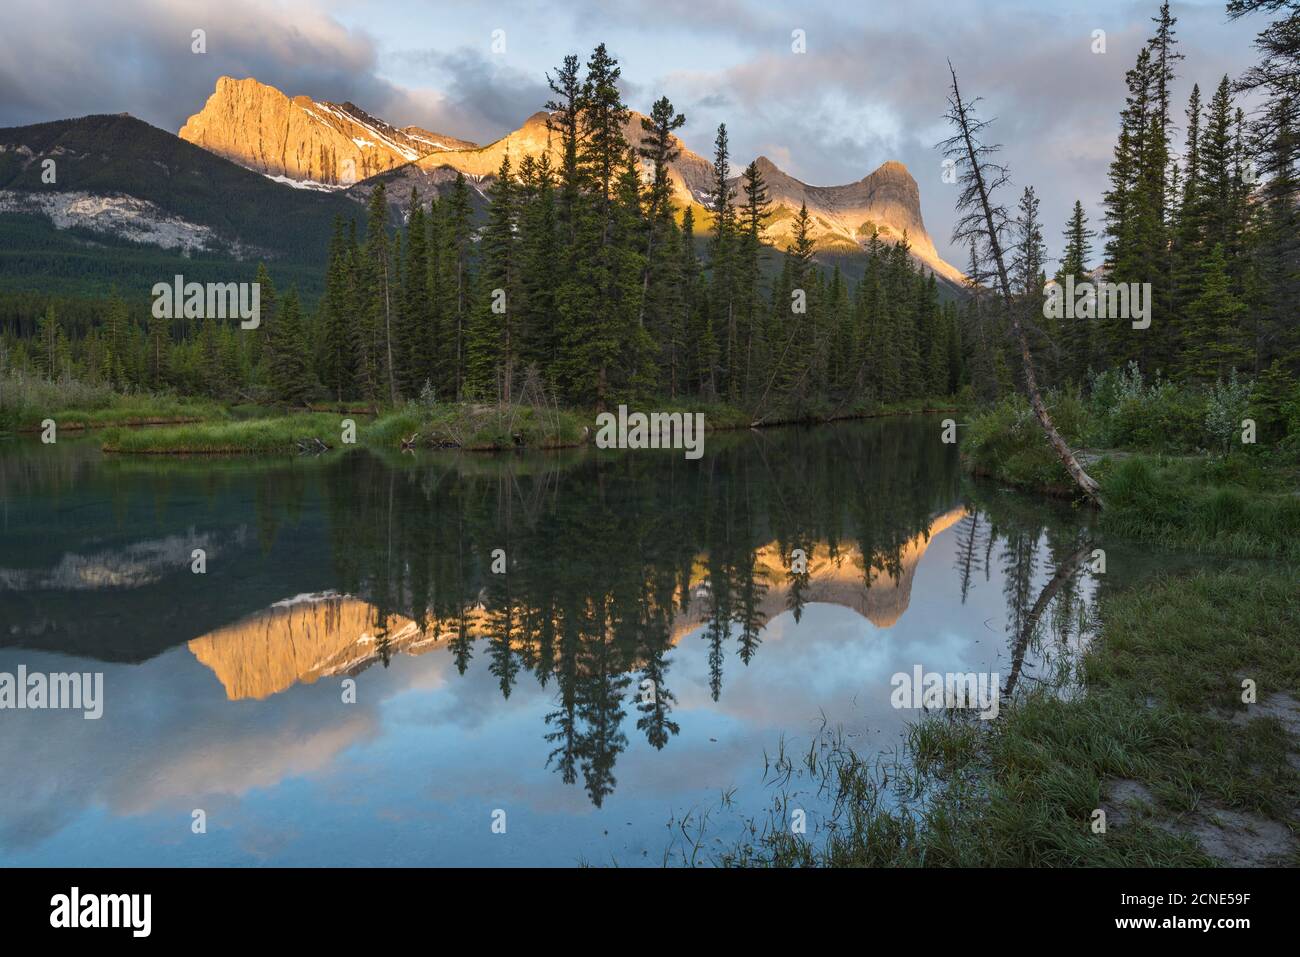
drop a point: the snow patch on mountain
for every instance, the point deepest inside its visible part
(119, 215)
(306, 183)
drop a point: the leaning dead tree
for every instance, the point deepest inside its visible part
(984, 222)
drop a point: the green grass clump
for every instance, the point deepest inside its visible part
(279, 435)
(1175, 504)
(139, 410)
(1160, 687)
(1007, 442)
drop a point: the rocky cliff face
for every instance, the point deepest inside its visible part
(887, 201)
(306, 141)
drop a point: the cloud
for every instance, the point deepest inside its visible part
(480, 99)
(870, 87)
(135, 56)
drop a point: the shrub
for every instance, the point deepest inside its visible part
(1007, 441)
(1228, 402)
(1129, 412)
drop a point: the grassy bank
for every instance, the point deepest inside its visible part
(26, 402)
(1195, 505)
(1240, 501)
(169, 424)
(284, 435)
(1160, 740)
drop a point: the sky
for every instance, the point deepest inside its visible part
(869, 86)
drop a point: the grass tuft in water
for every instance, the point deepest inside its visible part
(282, 435)
(1161, 706)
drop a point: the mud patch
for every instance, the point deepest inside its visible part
(1234, 838)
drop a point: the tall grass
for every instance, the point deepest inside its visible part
(26, 401)
(280, 435)
(477, 427)
(1160, 686)
(1168, 504)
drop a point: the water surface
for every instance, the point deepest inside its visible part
(524, 692)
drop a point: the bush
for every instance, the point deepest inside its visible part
(1007, 441)
(1127, 412)
(1228, 402)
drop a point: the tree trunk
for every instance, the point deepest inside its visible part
(388, 339)
(1087, 484)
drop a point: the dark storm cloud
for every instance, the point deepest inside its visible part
(135, 56)
(481, 98)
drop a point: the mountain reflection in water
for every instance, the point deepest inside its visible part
(623, 572)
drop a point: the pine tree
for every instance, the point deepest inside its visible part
(113, 365)
(564, 118)
(268, 305)
(160, 344)
(637, 371)
(658, 148)
(1077, 332)
(539, 255)
(592, 302)
(413, 339)
(336, 318)
(701, 347)
(1189, 226)
(755, 213)
(290, 377)
(1027, 255)
(979, 221)
(454, 282)
(722, 260)
(1218, 210)
(490, 346)
(1215, 346)
(52, 344)
(1277, 245)
(798, 314)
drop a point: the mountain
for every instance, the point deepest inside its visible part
(130, 203)
(305, 141)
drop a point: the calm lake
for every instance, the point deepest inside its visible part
(358, 676)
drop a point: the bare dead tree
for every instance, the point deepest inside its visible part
(985, 222)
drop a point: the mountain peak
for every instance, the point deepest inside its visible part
(893, 166)
(302, 139)
(322, 143)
